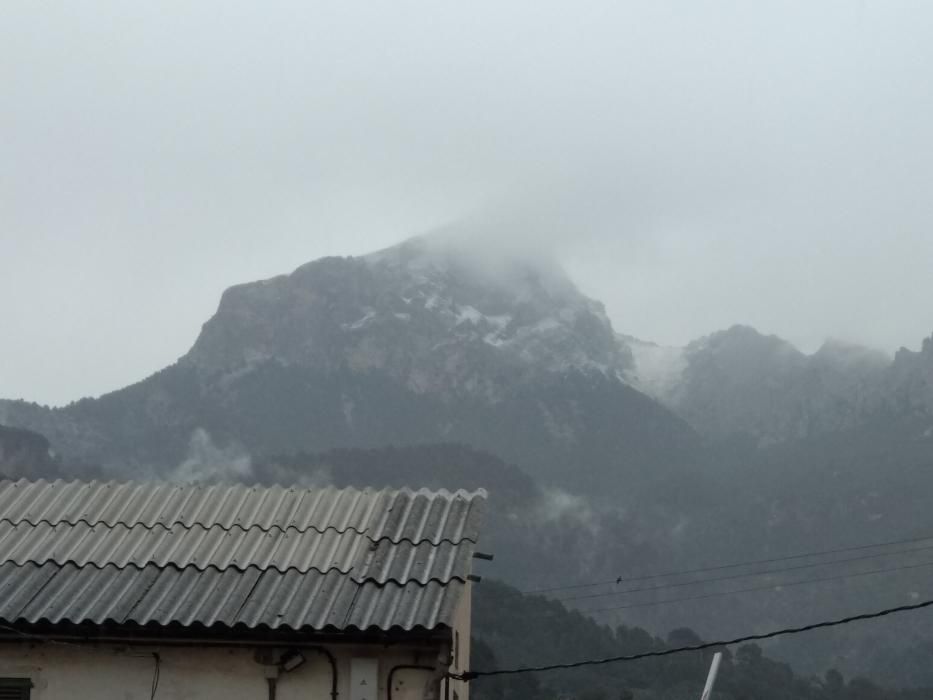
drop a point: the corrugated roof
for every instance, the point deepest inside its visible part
(348, 552)
(55, 593)
(390, 514)
(225, 555)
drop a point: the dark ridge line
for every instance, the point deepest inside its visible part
(142, 595)
(352, 604)
(236, 526)
(239, 609)
(240, 569)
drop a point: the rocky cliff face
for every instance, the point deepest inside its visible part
(910, 380)
(741, 383)
(432, 315)
(432, 340)
(426, 341)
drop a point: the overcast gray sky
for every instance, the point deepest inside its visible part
(693, 164)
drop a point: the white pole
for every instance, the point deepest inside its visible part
(711, 678)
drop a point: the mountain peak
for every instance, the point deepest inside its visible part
(912, 378)
(744, 338)
(452, 256)
(740, 381)
(848, 354)
(433, 312)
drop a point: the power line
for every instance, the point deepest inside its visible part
(748, 574)
(470, 675)
(719, 567)
(769, 587)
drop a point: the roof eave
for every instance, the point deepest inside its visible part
(218, 635)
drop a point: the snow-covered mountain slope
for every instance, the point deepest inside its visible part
(657, 370)
(431, 313)
(434, 340)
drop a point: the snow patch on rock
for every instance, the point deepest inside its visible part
(657, 369)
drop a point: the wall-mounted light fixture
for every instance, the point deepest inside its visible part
(291, 660)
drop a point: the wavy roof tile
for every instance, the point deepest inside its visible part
(392, 514)
(225, 555)
(255, 599)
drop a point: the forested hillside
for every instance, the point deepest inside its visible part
(515, 630)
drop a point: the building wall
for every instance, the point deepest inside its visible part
(460, 652)
(125, 672)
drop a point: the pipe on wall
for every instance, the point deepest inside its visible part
(333, 669)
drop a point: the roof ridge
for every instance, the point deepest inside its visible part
(196, 485)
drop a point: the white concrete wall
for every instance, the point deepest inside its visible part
(125, 672)
(461, 660)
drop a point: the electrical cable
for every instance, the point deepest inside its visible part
(156, 672)
(323, 651)
(470, 675)
(729, 577)
(774, 587)
(771, 587)
(719, 567)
